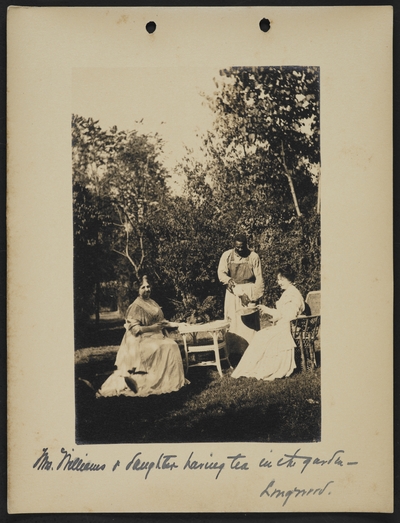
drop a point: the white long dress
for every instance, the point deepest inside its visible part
(155, 358)
(270, 354)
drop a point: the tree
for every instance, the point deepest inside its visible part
(265, 141)
(262, 169)
(119, 188)
(90, 153)
(188, 253)
(136, 184)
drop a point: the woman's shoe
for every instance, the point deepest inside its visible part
(131, 383)
(87, 383)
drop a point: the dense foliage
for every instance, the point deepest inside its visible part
(260, 176)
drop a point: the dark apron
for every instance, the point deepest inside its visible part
(243, 273)
(240, 272)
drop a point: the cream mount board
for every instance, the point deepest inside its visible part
(99, 62)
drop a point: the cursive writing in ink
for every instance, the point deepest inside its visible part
(238, 465)
(286, 494)
(77, 464)
(292, 460)
(43, 463)
(163, 463)
(196, 465)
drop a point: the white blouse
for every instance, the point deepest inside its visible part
(289, 305)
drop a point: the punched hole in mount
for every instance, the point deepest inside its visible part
(151, 27)
(265, 25)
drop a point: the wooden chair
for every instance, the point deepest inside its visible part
(305, 330)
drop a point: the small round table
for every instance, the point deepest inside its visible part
(213, 329)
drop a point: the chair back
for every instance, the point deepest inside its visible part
(313, 300)
(305, 330)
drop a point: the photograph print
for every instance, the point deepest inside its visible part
(197, 254)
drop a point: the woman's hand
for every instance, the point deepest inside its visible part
(261, 308)
(170, 325)
(265, 310)
(136, 330)
(155, 327)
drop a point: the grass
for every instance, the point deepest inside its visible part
(210, 409)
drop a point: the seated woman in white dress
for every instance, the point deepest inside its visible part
(270, 354)
(148, 362)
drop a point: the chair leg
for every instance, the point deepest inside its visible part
(216, 351)
(219, 366)
(309, 355)
(312, 355)
(227, 359)
(225, 348)
(186, 355)
(302, 355)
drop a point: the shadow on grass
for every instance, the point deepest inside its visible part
(107, 332)
(210, 409)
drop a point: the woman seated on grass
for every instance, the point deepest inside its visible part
(147, 362)
(270, 354)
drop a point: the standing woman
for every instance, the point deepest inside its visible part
(270, 354)
(147, 362)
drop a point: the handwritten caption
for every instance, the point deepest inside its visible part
(141, 463)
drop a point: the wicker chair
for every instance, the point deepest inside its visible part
(305, 330)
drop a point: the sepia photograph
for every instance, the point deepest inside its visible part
(189, 191)
(197, 251)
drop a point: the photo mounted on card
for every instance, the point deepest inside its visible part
(193, 202)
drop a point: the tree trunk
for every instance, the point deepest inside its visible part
(97, 303)
(319, 194)
(97, 288)
(289, 177)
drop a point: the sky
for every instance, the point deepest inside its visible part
(167, 99)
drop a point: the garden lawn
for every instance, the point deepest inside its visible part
(210, 409)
